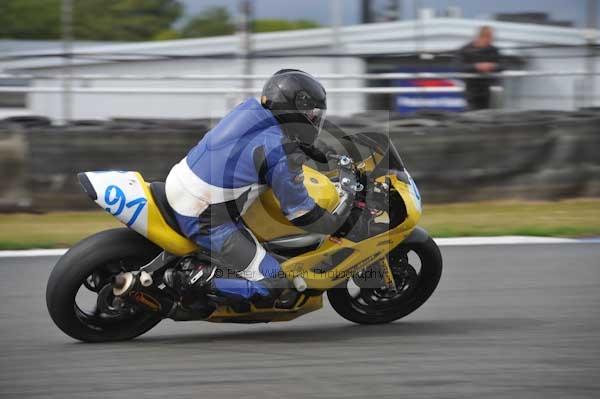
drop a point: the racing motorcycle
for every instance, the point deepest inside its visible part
(378, 268)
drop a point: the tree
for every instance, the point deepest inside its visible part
(29, 19)
(124, 20)
(119, 20)
(274, 25)
(128, 20)
(215, 21)
(167, 34)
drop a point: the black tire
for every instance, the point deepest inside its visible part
(425, 284)
(83, 259)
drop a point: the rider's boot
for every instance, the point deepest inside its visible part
(194, 277)
(282, 294)
(263, 294)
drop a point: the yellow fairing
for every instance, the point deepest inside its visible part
(363, 253)
(265, 218)
(413, 210)
(160, 233)
(305, 305)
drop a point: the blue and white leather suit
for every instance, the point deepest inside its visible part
(221, 176)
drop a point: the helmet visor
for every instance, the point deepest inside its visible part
(316, 117)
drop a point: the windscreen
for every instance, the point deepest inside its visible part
(380, 147)
(362, 145)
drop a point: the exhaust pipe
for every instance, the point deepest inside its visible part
(137, 287)
(124, 282)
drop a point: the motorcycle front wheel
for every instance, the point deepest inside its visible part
(416, 268)
(79, 292)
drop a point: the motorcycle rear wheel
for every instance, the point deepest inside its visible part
(374, 306)
(89, 265)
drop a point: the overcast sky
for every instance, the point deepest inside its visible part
(318, 10)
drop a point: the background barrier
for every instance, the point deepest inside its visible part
(484, 155)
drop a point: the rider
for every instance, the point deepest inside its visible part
(256, 145)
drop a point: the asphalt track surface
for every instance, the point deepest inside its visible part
(507, 321)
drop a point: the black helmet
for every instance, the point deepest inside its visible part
(298, 101)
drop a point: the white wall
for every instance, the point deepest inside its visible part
(553, 92)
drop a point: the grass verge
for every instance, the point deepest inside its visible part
(572, 218)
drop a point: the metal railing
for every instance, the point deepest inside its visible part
(364, 76)
(220, 90)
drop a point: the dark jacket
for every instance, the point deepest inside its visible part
(468, 56)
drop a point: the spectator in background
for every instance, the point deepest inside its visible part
(480, 56)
